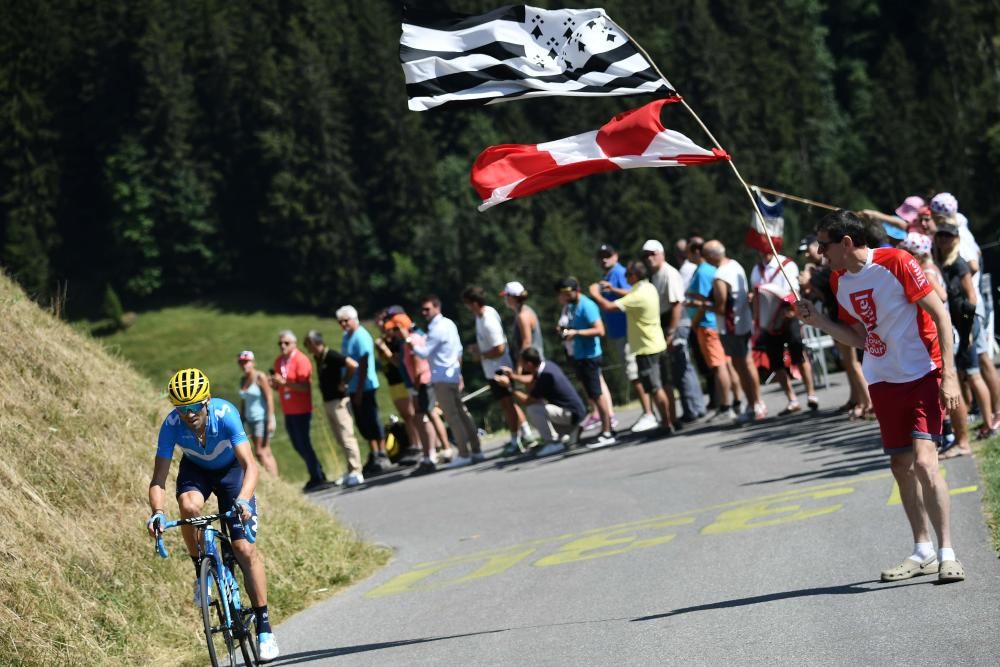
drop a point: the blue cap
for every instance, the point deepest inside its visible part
(894, 232)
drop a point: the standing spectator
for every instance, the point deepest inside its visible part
(257, 410)
(335, 371)
(527, 329)
(692, 250)
(676, 324)
(731, 295)
(645, 335)
(390, 353)
(401, 328)
(706, 329)
(772, 297)
(585, 330)
(551, 402)
(443, 349)
(492, 352)
(888, 309)
(292, 379)
(363, 385)
(614, 285)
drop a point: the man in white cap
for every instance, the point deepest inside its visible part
(676, 323)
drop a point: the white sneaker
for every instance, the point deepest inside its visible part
(550, 449)
(722, 416)
(459, 462)
(267, 646)
(478, 457)
(353, 479)
(340, 480)
(603, 440)
(646, 422)
(446, 454)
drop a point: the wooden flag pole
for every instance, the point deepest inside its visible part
(753, 200)
(801, 200)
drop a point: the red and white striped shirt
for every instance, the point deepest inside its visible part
(901, 344)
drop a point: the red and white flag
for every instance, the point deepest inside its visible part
(631, 139)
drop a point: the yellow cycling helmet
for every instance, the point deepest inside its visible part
(188, 387)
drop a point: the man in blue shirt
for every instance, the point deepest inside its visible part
(701, 310)
(359, 345)
(585, 330)
(217, 458)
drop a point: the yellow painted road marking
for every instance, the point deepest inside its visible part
(895, 499)
(737, 515)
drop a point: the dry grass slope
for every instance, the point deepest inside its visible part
(79, 583)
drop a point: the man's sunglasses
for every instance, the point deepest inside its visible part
(283, 343)
(188, 409)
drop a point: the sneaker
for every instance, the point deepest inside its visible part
(812, 402)
(478, 457)
(353, 479)
(425, 467)
(459, 462)
(339, 481)
(267, 647)
(512, 448)
(315, 485)
(745, 417)
(411, 456)
(647, 422)
(759, 412)
(551, 448)
(603, 440)
(197, 591)
(447, 454)
(591, 421)
(792, 407)
(726, 415)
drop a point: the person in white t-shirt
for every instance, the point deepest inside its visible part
(492, 352)
(731, 295)
(889, 309)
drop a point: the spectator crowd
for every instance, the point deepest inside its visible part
(692, 333)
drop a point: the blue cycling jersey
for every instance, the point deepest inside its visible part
(223, 433)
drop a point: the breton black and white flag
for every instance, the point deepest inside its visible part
(519, 51)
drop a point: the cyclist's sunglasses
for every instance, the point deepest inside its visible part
(187, 409)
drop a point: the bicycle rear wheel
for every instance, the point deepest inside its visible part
(218, 633)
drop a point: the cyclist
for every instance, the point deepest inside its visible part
(216, 459)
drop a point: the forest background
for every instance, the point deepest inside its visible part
(261, 152)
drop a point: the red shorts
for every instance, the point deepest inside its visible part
(908, 411)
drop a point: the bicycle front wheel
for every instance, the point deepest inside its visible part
(218, 632)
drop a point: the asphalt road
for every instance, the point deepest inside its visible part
(754, 545)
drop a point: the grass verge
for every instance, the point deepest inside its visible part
(79, 582)
(988, 456)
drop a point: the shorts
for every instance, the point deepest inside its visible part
(736, 346)
(711, 347)
(500, 391)
(624, 354)
(424, 399)
(225, 483)
(966, 357)
(588, 372)
(981, 339)
(366, 417)
(774, 345)
(652, 371)
(908, 411)
(256, 428)
(398, 392)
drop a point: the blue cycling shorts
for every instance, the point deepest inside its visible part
(225, 484)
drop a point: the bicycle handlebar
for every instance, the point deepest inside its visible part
(161, 549)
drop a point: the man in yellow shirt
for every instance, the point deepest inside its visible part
(645, 335)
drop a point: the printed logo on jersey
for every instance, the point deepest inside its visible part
(864, 306)
(917, 273)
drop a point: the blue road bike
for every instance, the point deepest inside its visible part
(225, 607)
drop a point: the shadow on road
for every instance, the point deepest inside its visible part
(309, 656)
(843, 589)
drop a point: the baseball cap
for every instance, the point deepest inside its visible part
(569, 284)
(514, 288)
(400, 321)
(944, 202)
(910, 207)
(606, 250)
(894, 232)
(806, 242)
(947, 228)
(652, 245)
(245, 355)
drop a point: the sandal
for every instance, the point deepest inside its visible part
(910, 568)
(792, 407)
(813, 403)
(951, 570)
(953, 452)
(847, 408)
